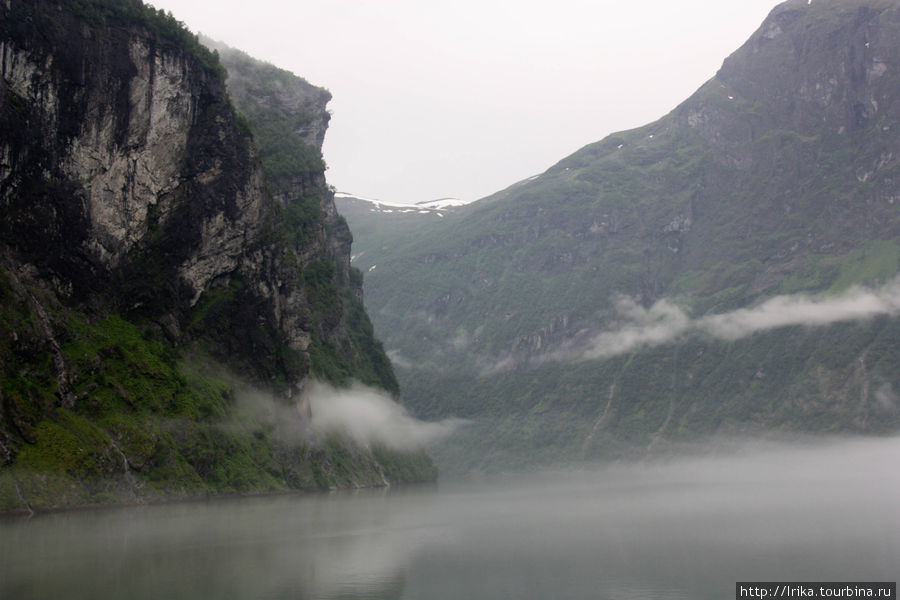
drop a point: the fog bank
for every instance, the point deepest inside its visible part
(678, 530)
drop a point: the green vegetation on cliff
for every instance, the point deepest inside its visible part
(141, 346)
(288, 119)
(144, 422)
(106, 13)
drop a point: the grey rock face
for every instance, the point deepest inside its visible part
(131, 176)
(119, 133)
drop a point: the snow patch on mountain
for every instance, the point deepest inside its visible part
(425, 207)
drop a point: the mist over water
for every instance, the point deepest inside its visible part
(687, 528)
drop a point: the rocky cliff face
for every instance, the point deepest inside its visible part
(139, 246)
(110, 157)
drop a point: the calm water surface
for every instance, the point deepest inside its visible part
(683, 530)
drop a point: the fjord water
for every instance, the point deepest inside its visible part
(687, 528)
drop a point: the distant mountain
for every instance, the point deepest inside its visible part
(377, 224)
(690, 278)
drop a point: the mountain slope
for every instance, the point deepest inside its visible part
(159, 303)
(377, 224)
(566, 314)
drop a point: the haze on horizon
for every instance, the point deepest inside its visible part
(461, 99)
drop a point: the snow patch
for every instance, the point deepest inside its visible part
(442, 203)
(425, 205)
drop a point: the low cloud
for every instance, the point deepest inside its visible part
(639, 326)
(501, 366)
(398, 360)
(366, 415)
(664, 321)
(259, 411)
(856, 304)
(369, 416)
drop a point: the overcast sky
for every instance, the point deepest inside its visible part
(437, 98)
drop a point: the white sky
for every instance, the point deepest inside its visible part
(462, 98)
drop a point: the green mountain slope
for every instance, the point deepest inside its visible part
(565, 315)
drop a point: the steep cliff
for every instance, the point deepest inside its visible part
(153, 272)
(288, 119)
(572, 315)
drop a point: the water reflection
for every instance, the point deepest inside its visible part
(688, 529)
